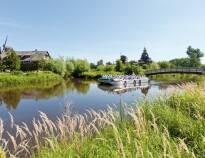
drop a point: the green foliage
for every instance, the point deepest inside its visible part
(11, 61)
(100, 68)
(124, 59)
(81, 66)
(172, 126)
(110, 67)
(164, 64)
(152, 66)
(135, 68)
(2, 154)
(69, 68)
(193, 60)
(17, 79)
(56, 66)
(119, 66)
(100, 62)
(180, 62)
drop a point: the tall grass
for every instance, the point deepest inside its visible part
(20, 79)
(172, 126)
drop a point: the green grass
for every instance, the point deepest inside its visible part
(29, 79)
(172, 126)
(178, 77)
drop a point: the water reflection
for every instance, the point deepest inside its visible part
(122, 89)
(12, 98)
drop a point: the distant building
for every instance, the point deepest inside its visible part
(29, 56)
(25, 56)
(33, 56)
(145, 59)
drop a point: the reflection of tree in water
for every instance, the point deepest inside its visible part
(11, 98)
(79, 86)
(145, 90)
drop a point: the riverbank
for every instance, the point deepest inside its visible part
(172, 126)
(178, 77)
(29, 79)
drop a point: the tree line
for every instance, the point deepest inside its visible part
(82, 68)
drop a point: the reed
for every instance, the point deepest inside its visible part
(172, 126)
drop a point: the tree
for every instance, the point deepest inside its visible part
(124, 59)
(145, 59)
(93, 66)
(100, 62)
(109, 68)
(69, 68)
(180, 62)
(80, 67)
(119, 66)
(11, 61)
(194, 55)
(164, 64)
(100, 68)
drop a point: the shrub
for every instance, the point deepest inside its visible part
(2, 154)
(11, 61)
(56, 66)
(80, 66)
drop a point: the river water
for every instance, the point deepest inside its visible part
(76, 96)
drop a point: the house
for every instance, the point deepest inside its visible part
(29, 56)
(33, 56)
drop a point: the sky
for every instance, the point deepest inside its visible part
(104, 29)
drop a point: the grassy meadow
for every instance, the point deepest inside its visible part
(28, 79)
(169, 126)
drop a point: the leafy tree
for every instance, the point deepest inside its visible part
(109, 68)
(11, 61)
(100, 62)
(152, 66)
(119, 66)
(145, 59)
(57, 66)
(80, 67)
(93, 66)
(194, 55)
(124, 59)
(108, 63)
(69, 68)
(164, 64)
(100, 68)
(180, 62)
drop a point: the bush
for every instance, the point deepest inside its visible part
(56, 66)
(2, 154)
(11, 61)
(69, 68)
(100, 68)
(164, 64)
(80, 66)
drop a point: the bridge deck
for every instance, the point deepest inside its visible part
(175, 70)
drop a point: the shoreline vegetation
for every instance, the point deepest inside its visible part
(81, 68)
(28, 80)
(169, 126)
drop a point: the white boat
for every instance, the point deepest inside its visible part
(123, 80)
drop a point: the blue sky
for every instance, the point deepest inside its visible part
(104, 29)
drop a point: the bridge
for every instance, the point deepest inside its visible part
(199, 71)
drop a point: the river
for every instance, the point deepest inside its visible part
(76, 96)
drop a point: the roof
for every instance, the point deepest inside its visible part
(29, 53)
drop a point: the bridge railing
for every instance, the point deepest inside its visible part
(176, 70)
